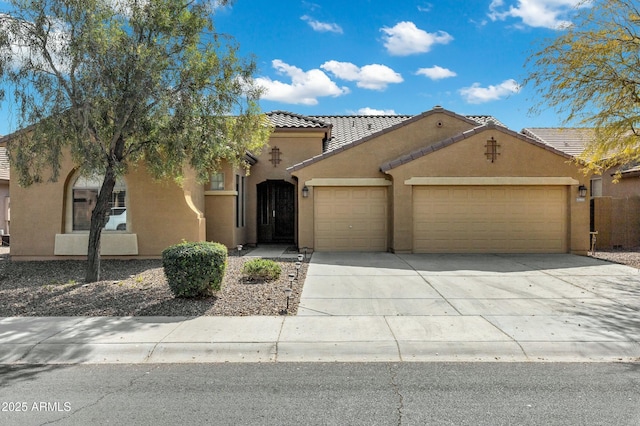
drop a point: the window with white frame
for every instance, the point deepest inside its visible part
(596, 187)
(85, 194)
(217, 182)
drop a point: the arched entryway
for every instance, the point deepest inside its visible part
(276, 212)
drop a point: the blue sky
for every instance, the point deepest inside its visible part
(396, 57)
(403, 57)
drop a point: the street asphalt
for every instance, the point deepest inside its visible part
(379, 307)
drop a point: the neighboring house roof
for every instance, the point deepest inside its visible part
(464, 135)
(4, 164)
(571, 141)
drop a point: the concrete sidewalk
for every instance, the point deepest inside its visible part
(380, 307)
(307, 339)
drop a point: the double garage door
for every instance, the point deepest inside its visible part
(446, 219)
(489, 219)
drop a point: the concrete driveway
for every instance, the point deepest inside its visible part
(541, 305)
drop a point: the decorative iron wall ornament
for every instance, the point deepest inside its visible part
(275, 156)
(491, 151)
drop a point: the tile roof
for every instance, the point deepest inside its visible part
(343, 136)
(288, 120)
(346, 129)
(486, 119)
(571, 141)
(350, 128)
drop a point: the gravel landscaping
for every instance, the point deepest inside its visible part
(135, 288)
(139, 288)
(625, 257)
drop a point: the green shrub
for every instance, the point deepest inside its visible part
(194, 269)
(261, 269)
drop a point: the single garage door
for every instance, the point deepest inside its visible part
(494, 219)
(350, 218)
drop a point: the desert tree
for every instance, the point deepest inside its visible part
(113, 83)
(589, 74)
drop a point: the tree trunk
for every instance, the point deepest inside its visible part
(98, 221)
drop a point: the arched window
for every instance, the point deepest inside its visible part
(85, 194)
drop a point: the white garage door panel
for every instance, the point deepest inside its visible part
(517, 219)
(350, 218)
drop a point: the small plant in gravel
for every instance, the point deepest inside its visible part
(261, 270)
(194, 269)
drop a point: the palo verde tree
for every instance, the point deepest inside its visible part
(116, 82)
(590, 75)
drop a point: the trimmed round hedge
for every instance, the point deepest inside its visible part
(261, 269)
(194, 269)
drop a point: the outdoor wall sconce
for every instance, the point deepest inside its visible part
(582, 191)
(305, 191)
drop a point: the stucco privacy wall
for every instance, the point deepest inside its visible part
(519, 163)
(363, 160)
(158, 214)
(617, 221)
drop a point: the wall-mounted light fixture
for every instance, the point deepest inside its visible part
(582, 191)
(305, 191)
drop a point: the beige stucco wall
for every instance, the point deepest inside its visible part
(466, 158)
(159, 214)
(37, 214)
(463, 158)
(295, 147)
(364, 160)
(625, 187)
(220, 206)
(220, 210)
(615, 212)
(163, 213)
(617, 221)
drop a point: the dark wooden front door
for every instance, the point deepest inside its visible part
(276, 212)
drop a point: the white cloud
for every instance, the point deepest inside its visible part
(373, 111)
(406, 39)
(322, 27)
(305, 87)
(534, 13)
(478, 95)
(436, 72)
(374, 76)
